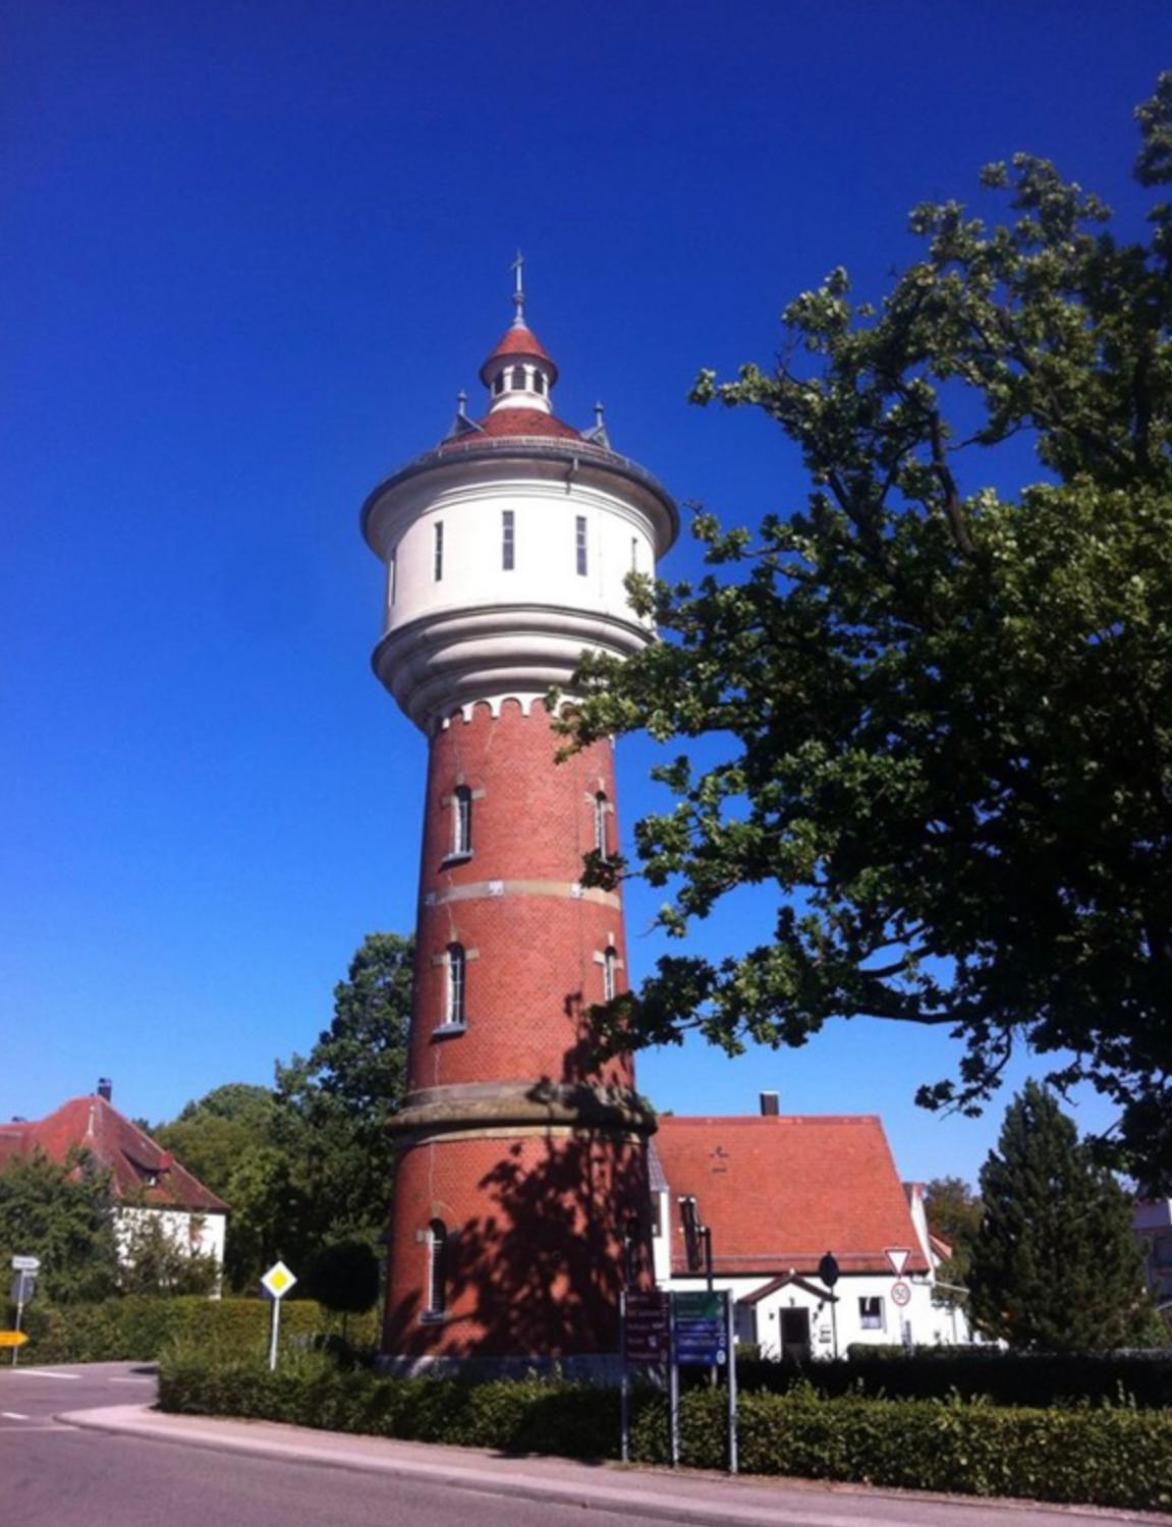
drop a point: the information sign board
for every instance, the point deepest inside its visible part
(645, 1328)
(701, 1337)
(26, 1264)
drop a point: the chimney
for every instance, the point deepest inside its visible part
(105, 1088)
(770, 1105)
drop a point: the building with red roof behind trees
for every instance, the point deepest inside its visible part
(756, 1203)
(145, 1180)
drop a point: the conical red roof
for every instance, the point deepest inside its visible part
(521, 342)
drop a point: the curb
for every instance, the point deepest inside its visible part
(597, 1494)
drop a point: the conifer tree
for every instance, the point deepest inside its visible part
(1055, 1265)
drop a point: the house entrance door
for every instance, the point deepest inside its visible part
(795, 1336)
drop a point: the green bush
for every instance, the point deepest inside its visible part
(139, 1328)
(1031, 1379)
(1103, 1457)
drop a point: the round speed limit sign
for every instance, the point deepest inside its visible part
(901, 1293)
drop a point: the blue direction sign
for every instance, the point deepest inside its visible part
(701, 1330)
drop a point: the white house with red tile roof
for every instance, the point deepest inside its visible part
(145, 1180)
(774, 1194)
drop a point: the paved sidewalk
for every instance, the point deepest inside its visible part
(656, 1494)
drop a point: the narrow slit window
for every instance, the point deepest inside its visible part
(508, 543)
(634, 554)
(437, 1272)
(601, 809)
(439, 551)
(518, 379)
(392, 578)
(580, 543)
(462, 820)
(609, 962)
(457, 970)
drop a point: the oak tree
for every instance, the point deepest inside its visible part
(944, 708)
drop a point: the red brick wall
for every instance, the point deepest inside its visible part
(534, 1259)
(535, 1222)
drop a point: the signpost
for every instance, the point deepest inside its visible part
(12, 1339)
(645, 1318)
(702, 1336)
(901, 1293)
(828, 1271)
(276, 1283)
(898, 1257)
(22, 1290)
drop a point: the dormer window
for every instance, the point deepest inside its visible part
(518, 379)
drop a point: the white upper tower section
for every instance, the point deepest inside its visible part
(507, 546)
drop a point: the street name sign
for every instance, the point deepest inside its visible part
(278, 1281)
(645, 1328)
(26, 1264)
(701, 1336)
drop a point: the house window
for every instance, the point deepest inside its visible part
(508, 544)
(462, 820)
(437, 1272)
(439, 550)
(601, 809)
(609, 960)
(518, 379)
(454, 1006)
(871, 1313)
(580, 543)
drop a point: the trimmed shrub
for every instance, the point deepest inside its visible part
(138, 1328)
(1034, 1379)
(1103, 1457)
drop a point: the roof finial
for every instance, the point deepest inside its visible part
(518, 267)
(461, 404)
(599, 411)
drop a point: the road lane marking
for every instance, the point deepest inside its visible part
(13, 1415)
(131, 1381)
(42, 1373)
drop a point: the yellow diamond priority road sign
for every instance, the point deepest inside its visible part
(278, 1281)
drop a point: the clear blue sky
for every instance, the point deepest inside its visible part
(250, 253)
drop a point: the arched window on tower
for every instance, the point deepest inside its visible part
(498, 384)
(461, 820)
(457, 973)
(437, 1270)
(609, 964)
(539, 382)
(601, 811)
(518, 379)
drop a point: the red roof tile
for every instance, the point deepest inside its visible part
(520, 342)
(778, 1193)
(514, 422)
(117, 1146)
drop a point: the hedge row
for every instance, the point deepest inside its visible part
(1030, 1379)
(1103, 1457)
(137, 1328)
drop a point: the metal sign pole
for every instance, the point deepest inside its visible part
(732, 1384)
(19, 1311)
(673, 1385)
(625, 1382)
(274, 1332)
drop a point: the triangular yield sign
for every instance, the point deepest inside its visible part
(898, 1257)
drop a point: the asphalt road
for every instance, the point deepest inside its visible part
(54, 1475)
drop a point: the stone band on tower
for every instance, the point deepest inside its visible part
(520, 1197)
